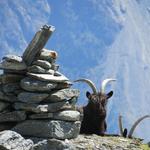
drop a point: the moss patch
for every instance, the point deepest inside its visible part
(145, 147)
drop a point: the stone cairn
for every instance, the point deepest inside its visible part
(35, 99)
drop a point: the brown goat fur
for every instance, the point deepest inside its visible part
(94, 114)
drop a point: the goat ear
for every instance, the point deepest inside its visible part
(88, 95)
(110, 94)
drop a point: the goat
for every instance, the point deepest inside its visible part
(94, 113)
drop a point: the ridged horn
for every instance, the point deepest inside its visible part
(135, 125)
(104, 83)
(90, 83)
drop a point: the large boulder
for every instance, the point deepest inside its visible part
(10, 140)
(48, 129)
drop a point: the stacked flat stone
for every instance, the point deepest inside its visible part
(35, 99)
(14, 71)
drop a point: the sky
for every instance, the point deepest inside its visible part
(95, 39)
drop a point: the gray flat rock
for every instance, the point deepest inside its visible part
(13, 58)
(11, 78)
(10, 140)
(3, 105)
(10, 87)
(7, 98)
(28, 97)
(15, 116)
(48, 77)
(38, 69)
(37, 43)
(43, 108)
(64, 94)
(48, 55)
(66, 115)
(12, 65)
(30, 84)
(43, 63)
(48, 129)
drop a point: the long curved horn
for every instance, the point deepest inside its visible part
(104, 83)
(135, 125)
(89, 82)
(120, 125)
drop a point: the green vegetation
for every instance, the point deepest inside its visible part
(145, 147)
